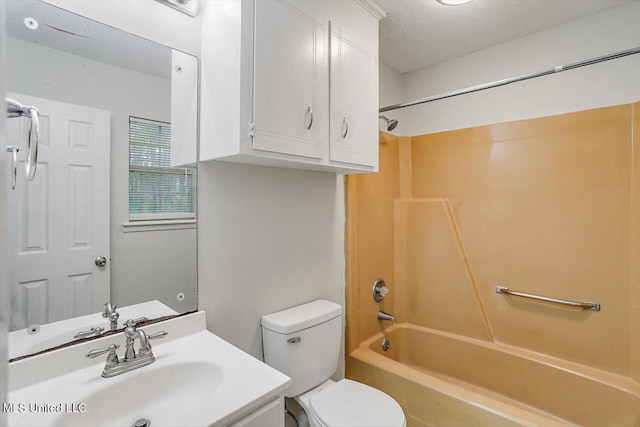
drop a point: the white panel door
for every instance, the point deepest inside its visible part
(59, 222)
(354, 94)
(290, 80)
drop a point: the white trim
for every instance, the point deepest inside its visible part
(171, 224)
(372, 8)
(161, 216)
(5, 307)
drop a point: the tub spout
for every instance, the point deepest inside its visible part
(386, 316)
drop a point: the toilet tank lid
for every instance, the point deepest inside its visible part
(301, 317)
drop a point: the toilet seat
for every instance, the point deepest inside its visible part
(349, 404)
(314, 421)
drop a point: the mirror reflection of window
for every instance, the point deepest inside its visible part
(157, 191)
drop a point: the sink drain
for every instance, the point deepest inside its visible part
(142, 422)
(386, 345)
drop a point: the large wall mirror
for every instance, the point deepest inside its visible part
(109, 219)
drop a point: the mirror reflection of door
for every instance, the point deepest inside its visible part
(61, 217)
(72, 68)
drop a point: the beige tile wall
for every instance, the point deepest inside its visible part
(370, 241)
(548, 206)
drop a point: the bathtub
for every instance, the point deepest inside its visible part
(442, 379)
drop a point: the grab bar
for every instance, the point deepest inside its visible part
(581, 304)
(15, 109)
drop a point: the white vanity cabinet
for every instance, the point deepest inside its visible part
(269, 415)
(291, 83)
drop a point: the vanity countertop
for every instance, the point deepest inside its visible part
(198, 379)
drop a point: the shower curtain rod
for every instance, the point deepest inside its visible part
(510, 80)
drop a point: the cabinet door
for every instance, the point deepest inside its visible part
(269, 415)
(354, 101)
(290, 80)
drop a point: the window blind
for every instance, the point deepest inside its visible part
(157, 191)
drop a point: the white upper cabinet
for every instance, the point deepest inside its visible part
(354, 101)
(291, 83)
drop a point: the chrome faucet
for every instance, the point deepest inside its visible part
(385, 316)
(111, 314)
(131, 360)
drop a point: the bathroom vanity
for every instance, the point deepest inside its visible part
(197, 379)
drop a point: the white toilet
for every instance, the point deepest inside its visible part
(303, 342)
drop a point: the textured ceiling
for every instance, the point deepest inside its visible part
(418, 33)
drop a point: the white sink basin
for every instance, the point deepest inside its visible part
(153, 394)
(197, 379)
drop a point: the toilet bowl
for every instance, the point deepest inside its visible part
(348, 403)
(303, 342)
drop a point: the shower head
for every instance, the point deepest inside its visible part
(391, 123)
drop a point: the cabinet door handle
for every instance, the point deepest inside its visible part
(14, 164)
(310, 114)
(345, 127)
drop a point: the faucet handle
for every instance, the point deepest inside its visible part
(112, 357)
(130, 332)
(133, 322)
(95, 330)
(110, 312)
(100, 351)
(380, 290)
(109, 309)
(157, 335)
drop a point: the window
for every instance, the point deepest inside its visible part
(157, 191)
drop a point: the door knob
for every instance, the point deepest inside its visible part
(101, 261)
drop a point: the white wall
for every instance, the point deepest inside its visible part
(268, 239)
(144, 265)
(390, 82)
(4, 279)
(605, 84)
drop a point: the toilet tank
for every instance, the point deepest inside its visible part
(303, 343)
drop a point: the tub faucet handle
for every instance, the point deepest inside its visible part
(380, 290)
